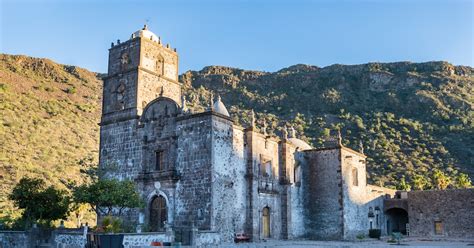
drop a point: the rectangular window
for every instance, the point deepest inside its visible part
(438, 225)
(160, 161)
(265, 169)
(355, 177)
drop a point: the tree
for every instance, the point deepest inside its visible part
(40, 203)
(463, 181)
(441, 180)
(108, 194)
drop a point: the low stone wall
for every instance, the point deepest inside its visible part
(70, 240)
(13, 239)
(452, 210)
(131, 240)
(207, 239)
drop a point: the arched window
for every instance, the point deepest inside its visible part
(160, 65)
(158, 214)
(266, 222)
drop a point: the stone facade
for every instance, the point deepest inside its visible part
(200, 170)
(452, 209)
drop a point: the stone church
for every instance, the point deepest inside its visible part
(202, 170)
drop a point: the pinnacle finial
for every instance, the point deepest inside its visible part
(292, 132)
(252, 118)
(145, 27)
(361, 147)
(339, 137)
(264, 127)
(285, 132)
(184, 108)
(212, 101)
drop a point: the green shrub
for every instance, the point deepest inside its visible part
(375, 233)
(71, 90)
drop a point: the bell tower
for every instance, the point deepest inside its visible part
(140, 70)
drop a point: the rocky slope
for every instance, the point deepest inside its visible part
(49, 121)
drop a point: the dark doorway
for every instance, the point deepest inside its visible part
(397, 220)
(158, 214)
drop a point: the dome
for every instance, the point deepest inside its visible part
(220, 108)
(301, 145)
(144, 32)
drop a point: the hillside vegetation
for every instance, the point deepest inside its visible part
(49, 122)
(410, 118)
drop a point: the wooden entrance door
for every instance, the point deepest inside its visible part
(266, 222)
(158, 214)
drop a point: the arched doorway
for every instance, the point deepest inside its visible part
(397, 220)
(158, 214)
(266, 222)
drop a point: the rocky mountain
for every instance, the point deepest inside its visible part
(410, 118)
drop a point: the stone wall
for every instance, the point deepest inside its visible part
(355, 211)
(153, 86)
(264, 190)
(359, 198)
(193, 190)
(120, 150)
(321, 194)
(228, 179)
(69, 240)
(208, 239)
(152, 52)
(119, 94)
(453, 208)
(131, 240)
(296, 220)
(13, 239)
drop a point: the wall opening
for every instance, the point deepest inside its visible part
(397, 220)
(355, 177)
(266, 222)
(438, 227)
(159, 160)
(160, 65)
(158, 214)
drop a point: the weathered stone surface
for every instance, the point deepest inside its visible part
(13, 239)
(144, 239)
(453, 208)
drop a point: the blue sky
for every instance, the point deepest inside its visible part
(251, 34)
